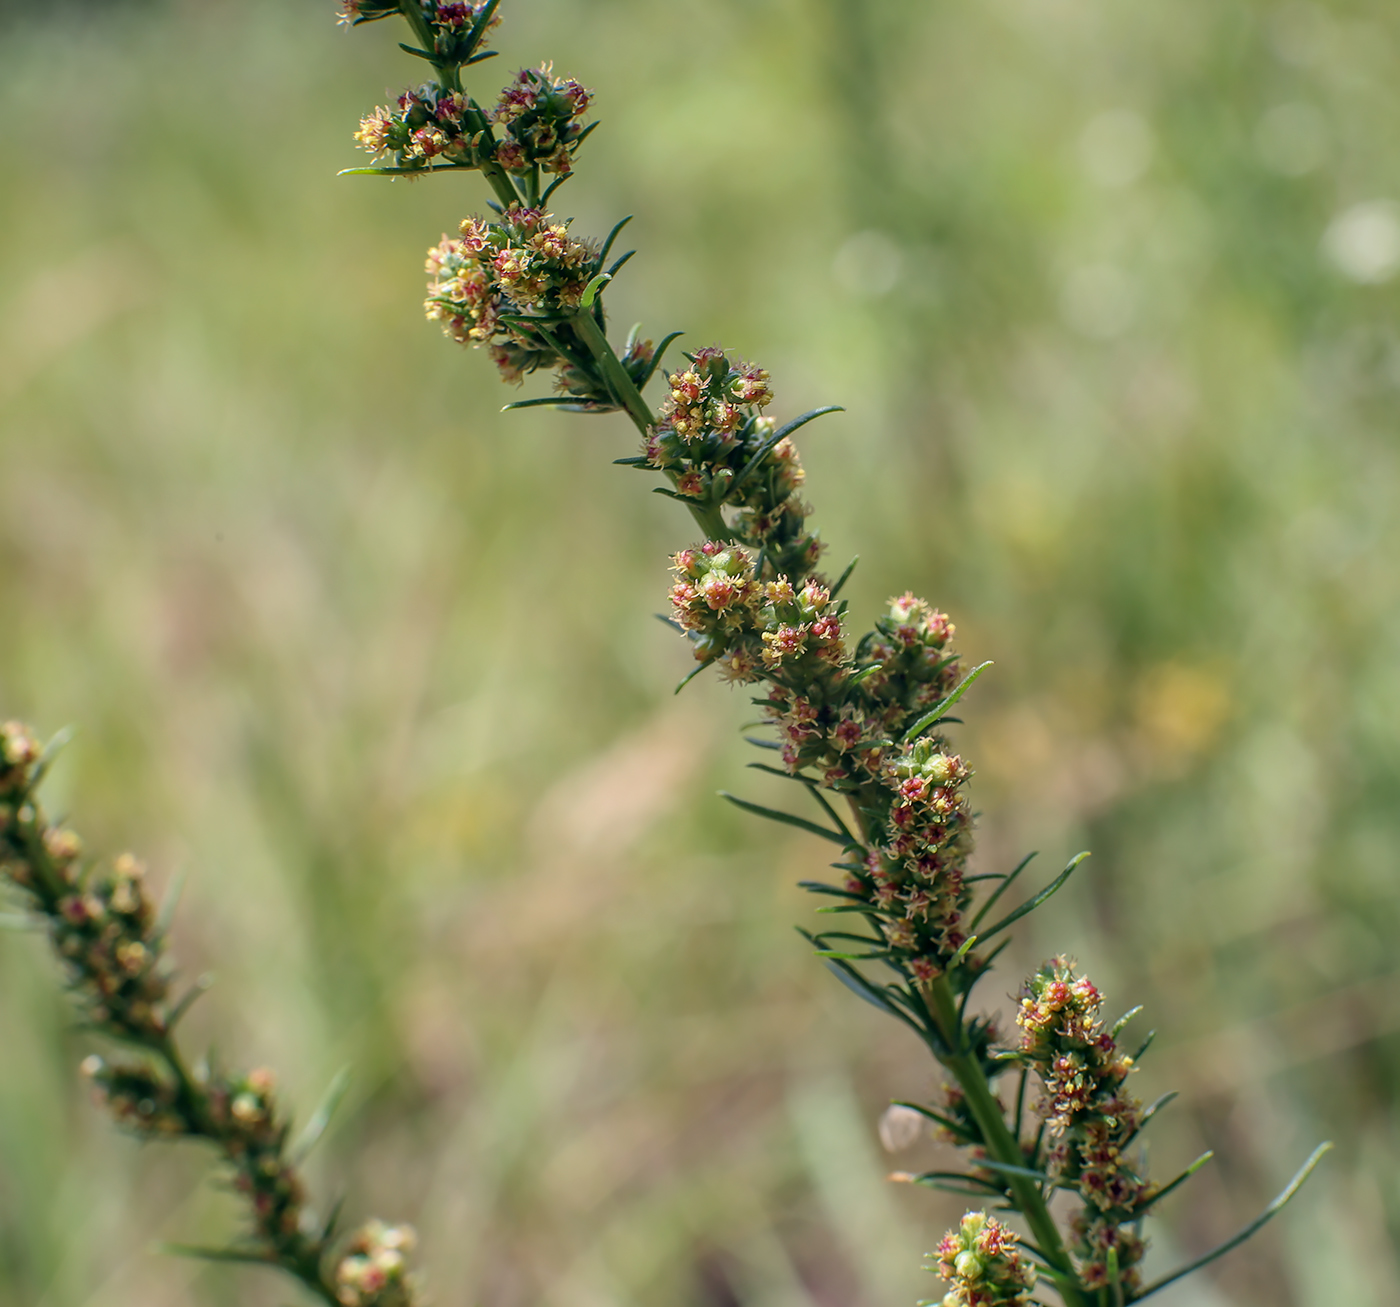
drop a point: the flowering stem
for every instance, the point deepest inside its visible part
(1001, 1143)
(106, 930)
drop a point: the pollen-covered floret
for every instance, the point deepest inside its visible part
(492, 271)
(982, 1260)
(715, 599)
(541, 120)
(425, 122)
(711, 395)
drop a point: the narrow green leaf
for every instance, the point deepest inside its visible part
(927, 1176)
(767, 446)
(1177, 1183)
(612, 236)
(845, 576)
(863, 988)
(1152, 1111)
(639, 461)
(1144, 1046)
(333, 1220)
(1008, 1168)
(671, 622)
(831, 812)
(321, 1117)
(247, 1256)
(414, 50)
(165, 914)
(707, 663)
(786, 818)
(778, 771)
(56, 744)
(762, 744)
(938, 710)
(820, 887)
(656, 358)
(938, 1118)
(621, 262)
(1123, 1021)
(406, 172)
(1000, 890)
(545, 401)
(1030, 905)
(195, 992)
(1272, 1210)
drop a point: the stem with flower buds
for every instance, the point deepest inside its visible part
(857, 722)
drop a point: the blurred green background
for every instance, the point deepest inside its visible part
(1107, 293)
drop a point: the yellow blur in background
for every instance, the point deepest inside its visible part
(1109, 293)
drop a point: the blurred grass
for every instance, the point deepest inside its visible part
(375, 665)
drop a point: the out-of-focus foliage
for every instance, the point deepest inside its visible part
(1108, 293)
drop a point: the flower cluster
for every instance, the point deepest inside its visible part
(373, 1271)
(491, 280)
(719, 451)
(102, 921)
(540, 116)
(1092, 1117)
(981, 1259)
(140, 1099)
(425, 123)
(455, 30)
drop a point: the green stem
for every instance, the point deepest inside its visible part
(707, 516)
(1001, 1143)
